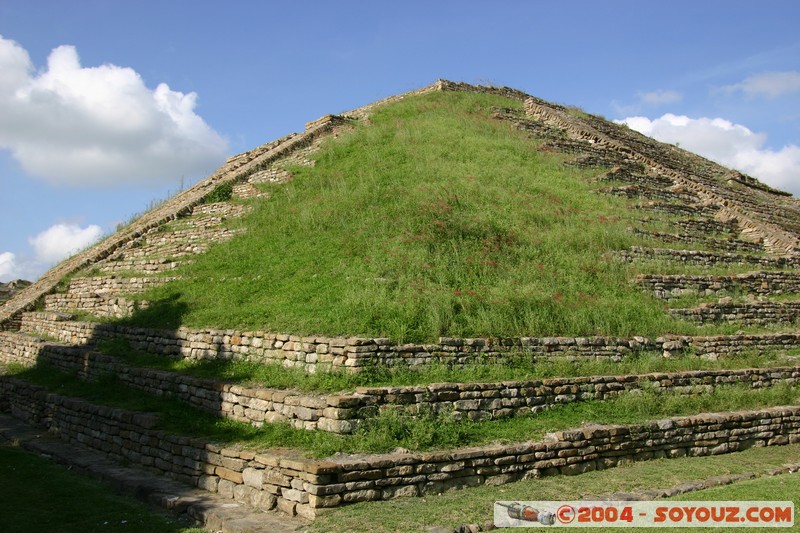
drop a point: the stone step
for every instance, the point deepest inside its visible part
(191, 236)
(176, 243)
(763, 283)
(270, 175)
(720, 245)
(280, 172)
(244, 191)
(680, 209)
(163, 249)
(537, 129)
(114, 285)
(758, 313)
(706, 258)
(652, 193)
(222, 210)
(636, 175)
(141, 266)
(708, 226)
(101, 306)
(298, 485)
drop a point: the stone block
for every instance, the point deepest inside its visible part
(253, 477)
(208, 483)
(286, 506)
(225, 488)
(400, 491)
(295, 495)
(362, 495)
(228, 474)
(331, 500)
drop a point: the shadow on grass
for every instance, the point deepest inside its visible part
(73, 503)
(167, 313)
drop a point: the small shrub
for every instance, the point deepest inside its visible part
(221, 193)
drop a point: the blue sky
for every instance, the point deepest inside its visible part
(106, 106)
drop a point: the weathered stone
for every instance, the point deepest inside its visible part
(253, 477)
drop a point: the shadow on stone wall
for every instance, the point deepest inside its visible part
(162, 314)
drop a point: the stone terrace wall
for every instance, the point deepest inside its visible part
(325, 352)
(760, 313)
(707, 226)
(20, 349)
(100, 306)
(717, 346)
(706, 243)
(344, 412)
(302, 486)
(709, 259)
(762, 283)
(116, 285)
(312, 353)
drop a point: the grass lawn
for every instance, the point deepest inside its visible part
(37, 495)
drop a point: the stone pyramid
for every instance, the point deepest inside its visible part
(719, 218)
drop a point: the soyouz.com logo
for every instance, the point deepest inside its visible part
(643, 514)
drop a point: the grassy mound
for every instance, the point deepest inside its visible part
(434, 220)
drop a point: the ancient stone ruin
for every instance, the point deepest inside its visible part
(720, 218)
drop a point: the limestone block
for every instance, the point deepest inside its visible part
(253, 477)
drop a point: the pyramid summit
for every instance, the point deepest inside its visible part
(443, 268)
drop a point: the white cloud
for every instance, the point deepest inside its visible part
(99, 125)
(769, 84)
(52, 245)
(14, 266)
(660, 97)
(62, 240)
(730, 144)
(8, 266)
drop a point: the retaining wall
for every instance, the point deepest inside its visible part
(707, 226)
(116, 285)
(707, 243)
(760, 313)
(698, 257)
(328, 352)
(299, 485)
(344, 412)
(762, 283)
(313, 353)
(100, 306)
(141, 266)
